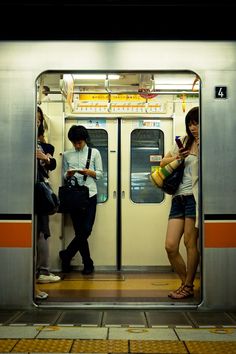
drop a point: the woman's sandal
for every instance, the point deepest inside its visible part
(176, 291)
(184, 293)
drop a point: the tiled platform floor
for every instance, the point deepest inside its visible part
(117, 331)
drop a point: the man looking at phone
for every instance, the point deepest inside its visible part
(74, 164)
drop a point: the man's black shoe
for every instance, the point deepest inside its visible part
(88, 270)
(65, 262)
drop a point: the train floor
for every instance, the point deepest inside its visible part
(119, 287)
(78, 327)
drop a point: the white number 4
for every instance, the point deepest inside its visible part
(220, 92)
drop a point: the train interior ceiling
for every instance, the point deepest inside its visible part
(132, 119)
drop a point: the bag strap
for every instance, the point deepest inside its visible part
(88, 162)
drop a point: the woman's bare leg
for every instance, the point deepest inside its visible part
(191, 244)
(175, 231)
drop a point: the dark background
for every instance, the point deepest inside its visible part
(113, 19)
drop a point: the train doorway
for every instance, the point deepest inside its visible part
(128, 238)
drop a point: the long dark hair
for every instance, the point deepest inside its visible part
(191, 117)
(41, 129)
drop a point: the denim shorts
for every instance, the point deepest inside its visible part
(183, 206)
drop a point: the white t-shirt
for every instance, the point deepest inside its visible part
(186, 186)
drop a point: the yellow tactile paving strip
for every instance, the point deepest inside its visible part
(115, 346)
(100, 346)
(211, 347)
(43, 345)
(157, 346)
(6, 345)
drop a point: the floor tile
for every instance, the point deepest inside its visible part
(40, 345)
(142, 333)
(206, 318)
(211, 347)
(167, 318)
(124, 317)
(8, 316)
(38, 316)
(81, 317)
(18, 331)
(73, 332)
(160, 346)
(207, 334)
(99, 346)
(6, 345)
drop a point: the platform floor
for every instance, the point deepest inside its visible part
(117, 331)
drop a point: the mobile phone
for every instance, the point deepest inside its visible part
(179, 143)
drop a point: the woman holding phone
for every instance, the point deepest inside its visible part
(183, 212)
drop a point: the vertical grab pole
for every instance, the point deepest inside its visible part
(118, 200)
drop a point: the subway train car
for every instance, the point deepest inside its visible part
(133, 97)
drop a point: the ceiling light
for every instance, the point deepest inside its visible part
(175, 87)
(95, 76)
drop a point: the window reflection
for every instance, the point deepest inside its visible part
(147, 149)
(99, 140)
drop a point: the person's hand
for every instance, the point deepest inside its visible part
(70, 173)
(183, 153)
(40, 155)
(83, 172)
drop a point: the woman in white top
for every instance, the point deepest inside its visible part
(183, 214)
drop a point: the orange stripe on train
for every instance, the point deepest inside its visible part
(220, 234)
(16, 234)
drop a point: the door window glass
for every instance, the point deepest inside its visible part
(99, 140)
(147, 149)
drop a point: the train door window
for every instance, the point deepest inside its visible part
(99, 140)
(147, 149)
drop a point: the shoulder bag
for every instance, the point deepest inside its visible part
(72, 196)
(169, 177)
(46, 201)
(172, 182)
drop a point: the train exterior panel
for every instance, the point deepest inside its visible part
(21, 63)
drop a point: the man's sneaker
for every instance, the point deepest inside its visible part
(65, 262)
(50, 278)
(88, 270)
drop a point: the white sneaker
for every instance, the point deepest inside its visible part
(51, 278)
(41, 295)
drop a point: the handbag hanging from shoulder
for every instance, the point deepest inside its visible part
(172, 182)
(72, 196)
(46, 201)
(169, 177)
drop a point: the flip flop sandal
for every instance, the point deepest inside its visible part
(176, 291)
(184, 293)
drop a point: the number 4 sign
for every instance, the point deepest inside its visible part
(220, 92)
